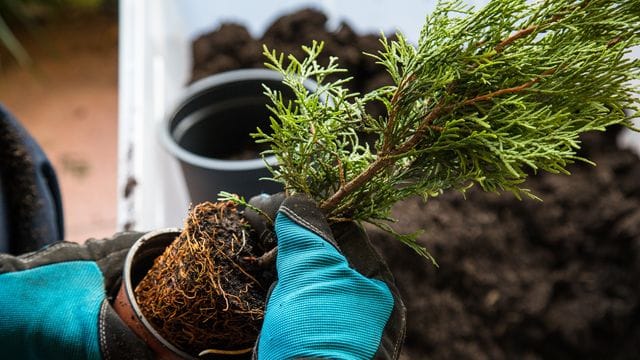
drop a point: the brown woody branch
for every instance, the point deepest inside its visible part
(532, 28)
(378, 164)
(388, 156)
(511, 90)
(384, 159)
(518, 35)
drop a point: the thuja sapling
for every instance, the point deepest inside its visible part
(483, 98)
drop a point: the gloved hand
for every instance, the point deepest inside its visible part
(54, 303)
(335, 297)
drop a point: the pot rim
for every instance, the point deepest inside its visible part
(129, 290)
(200, 86)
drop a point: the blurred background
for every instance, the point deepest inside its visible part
(59, 77)
(93, 79)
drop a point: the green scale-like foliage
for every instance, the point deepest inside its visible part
(484, 98)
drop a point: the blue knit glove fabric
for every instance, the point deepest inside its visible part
(320, 307)
(51, 312)
(54, 303)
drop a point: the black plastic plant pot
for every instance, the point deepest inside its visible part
(210, 131)
(137, 263)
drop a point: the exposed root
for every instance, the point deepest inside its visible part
(200, 294)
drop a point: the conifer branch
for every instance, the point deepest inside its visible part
(518, 35)
(483, 96)
(388, 155)
(511, 90)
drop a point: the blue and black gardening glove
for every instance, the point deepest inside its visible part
(335, 297)
(54, 303)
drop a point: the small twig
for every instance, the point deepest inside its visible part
(341, 171)
(379, 163)
(267, 259)
(532, 28)
(518, 35)
(614, 41)
(388, 130)
(425, 124)
(510, 90)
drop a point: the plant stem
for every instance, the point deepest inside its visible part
(511, 90)
(518, 35)
(389, 154)
(378, 164)
(532, 28)
(388, 131)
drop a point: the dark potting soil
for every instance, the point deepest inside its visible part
(201, 294)
(231, 47)
(556, 279)
(517, 279)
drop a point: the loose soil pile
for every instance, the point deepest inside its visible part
(556, 279)
(231, 47)
(517, 279)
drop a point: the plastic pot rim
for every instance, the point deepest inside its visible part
(194, 90)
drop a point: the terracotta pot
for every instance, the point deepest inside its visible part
(138, 262)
